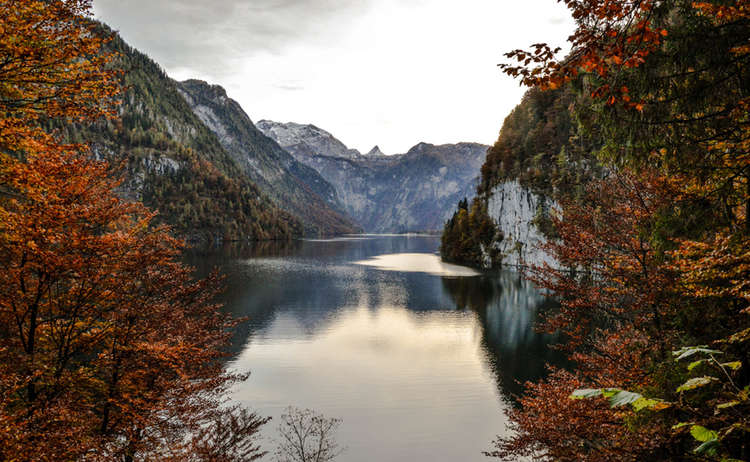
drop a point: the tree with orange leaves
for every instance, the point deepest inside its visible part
(108, 349)
(617, 303)
(51, 68)
(655, 299)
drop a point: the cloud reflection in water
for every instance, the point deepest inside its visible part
(418, 366)
(417, 263)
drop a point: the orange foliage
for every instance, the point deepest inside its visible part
(610, 271)
(611, 35)
(717, 268)
(573, 430)
(656, 256)
(616, 300)
(108, 349)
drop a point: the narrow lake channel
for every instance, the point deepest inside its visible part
(419, 359)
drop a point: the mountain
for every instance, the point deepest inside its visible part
(416, 191)
(292, 185)
(306, 140)
(375, 152)
(174, 164)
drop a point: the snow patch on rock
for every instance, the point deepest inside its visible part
(316, 140)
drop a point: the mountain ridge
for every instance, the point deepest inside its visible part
(413, 191)
(305, 138)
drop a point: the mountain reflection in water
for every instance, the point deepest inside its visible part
(418, 366)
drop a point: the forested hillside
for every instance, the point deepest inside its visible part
(175, 164)
(543, 145)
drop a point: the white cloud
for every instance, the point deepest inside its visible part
(384, 72)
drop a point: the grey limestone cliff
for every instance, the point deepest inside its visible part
(514, 209)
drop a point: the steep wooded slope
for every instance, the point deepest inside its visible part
(540, 156)
(176, 165)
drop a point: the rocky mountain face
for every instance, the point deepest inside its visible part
(515, 209)
(292, 185)
(192, 154)
(375, 152)
(304, 141)
(416, 191)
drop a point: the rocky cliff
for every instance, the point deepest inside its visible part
(306, 140)
(416, 191)
(539, 157)
(516, 209)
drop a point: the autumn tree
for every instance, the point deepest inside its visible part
(669, 85)
(108, 349)
(617, 305)
(664, 268)
(466, 236)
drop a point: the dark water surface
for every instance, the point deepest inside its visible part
(418, 359)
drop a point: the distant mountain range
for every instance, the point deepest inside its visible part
(416, 191)
(191, 153)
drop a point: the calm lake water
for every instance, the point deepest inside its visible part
(419, 359)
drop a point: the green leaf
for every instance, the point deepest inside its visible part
(708, 448)
(681, 424)
(651, 404)
(696, 382)
(618, 397)
(695, 364)
(586, 393)
(703, 434)
(685, 352)
(727, 405)
(734, 365)
(623, 398)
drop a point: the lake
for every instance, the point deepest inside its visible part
(419, 359)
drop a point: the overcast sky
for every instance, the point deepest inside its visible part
(386, 72)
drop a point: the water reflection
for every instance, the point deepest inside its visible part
(417, 263)
(508, 308)
(419, 367)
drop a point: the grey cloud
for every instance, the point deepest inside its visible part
(212, 35)
(289, 87)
